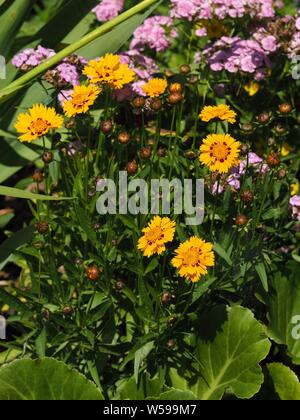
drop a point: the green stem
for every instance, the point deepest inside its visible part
(87, 39)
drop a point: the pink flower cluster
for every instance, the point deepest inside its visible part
(156, 32)
(66, 73)
(30, 58)
(295, 205)
(108, 9)
(220, 9)
(234, 179)
(234, 54)
(294, 46)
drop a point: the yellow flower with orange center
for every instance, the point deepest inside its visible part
(82, 98)
(252, 88)
(193, 257)
(155, 87)
(109, 71)
(220, 152)
(37, 122)
(222, 112)
(159, 232)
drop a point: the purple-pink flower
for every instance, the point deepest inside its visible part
(108, 9)
(156, 32)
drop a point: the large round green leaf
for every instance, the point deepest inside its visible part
(44, 379)
(231, 345)
(285, 381)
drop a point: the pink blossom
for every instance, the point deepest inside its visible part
(156, 32)
(108, 9)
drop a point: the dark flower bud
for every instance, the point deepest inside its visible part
(171, 344)
(175, 98)
(47, 157)
(273, 160)
(172, 320)
(124, 137)
(247, 196)
(45, 314)
(241, 220)
(145, 153)
(67, 311)
(247, 128)
(191, 155)
(162, 152)
(93, 272)
(96, 226)
(185, 69)
(169, 73)
(78, 262)
(119, 285)
(285, 108)
(264, 118)
(38, 176)
(132, 167)
(280, 129)
(42, 227)
(282, 174)
(139, 102)
(271, 142)
(193, 80)
(166, 298)
(106, 126)
(155, 104)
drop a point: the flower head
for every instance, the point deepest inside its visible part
(193, 257)
(156, 235)
(155, 87)
(109, 71)
(252, 88)
(220, 152)
(222, 112)
(82, 98)
(37, 122)
(295, 188)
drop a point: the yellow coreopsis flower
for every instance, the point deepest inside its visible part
(155, 87)
(37, 122)
(222, 112)
(286, 149)
(220, 152)
(82, 98)
(252, 88)
(295, 188)
(109, 71)
(193, 257)
(159, 232)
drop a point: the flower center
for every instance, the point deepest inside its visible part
(40, 126)
(192, 257)
(155, 235)
(79, 100)
(220, 151)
